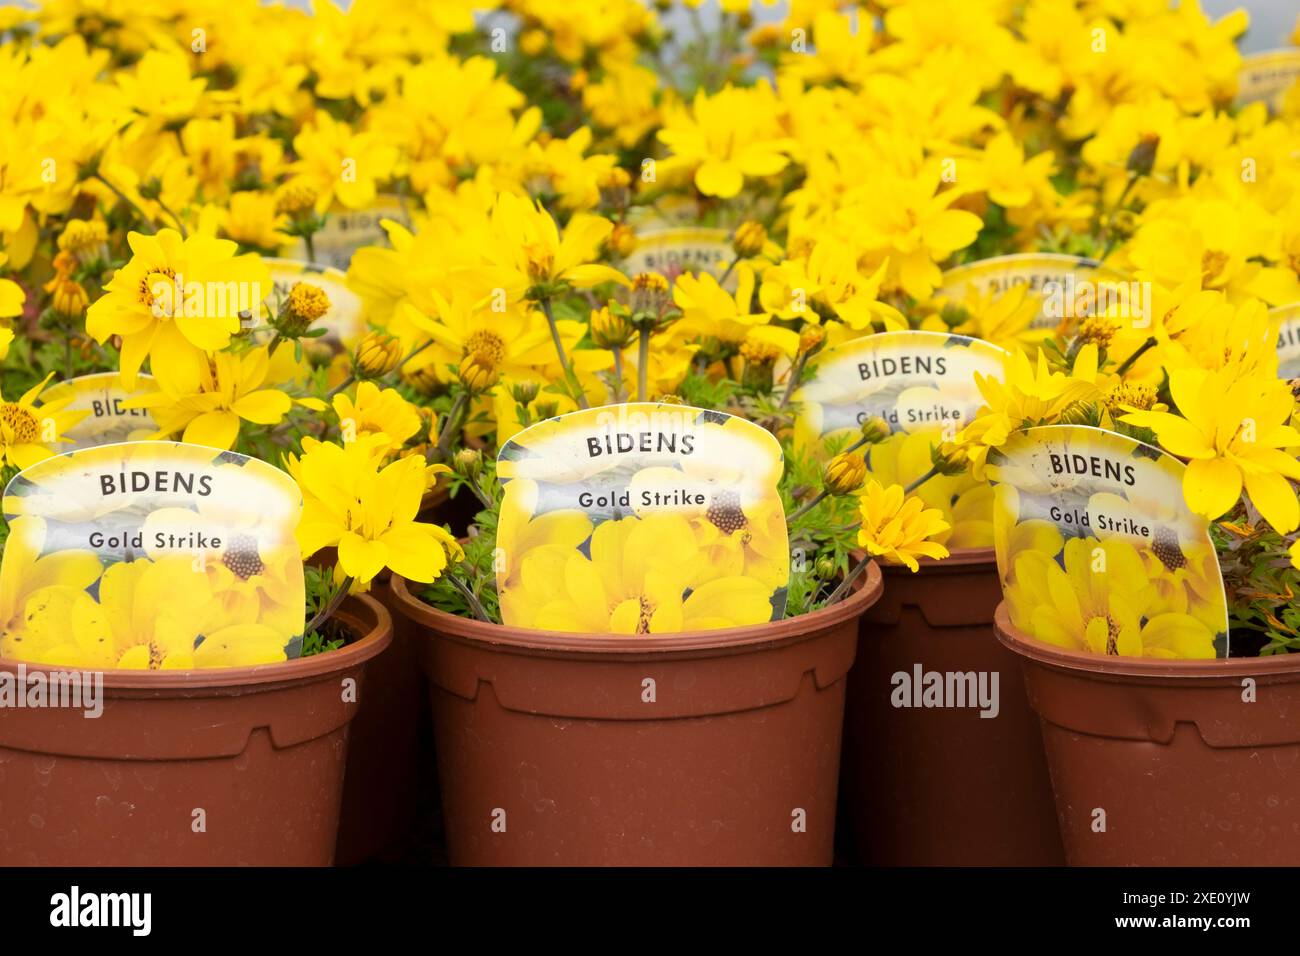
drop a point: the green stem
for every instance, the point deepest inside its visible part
(180, 226)
(341, 385)
(922, 480)
(570, 378)
(618, 375)
(808, 506)
(795, 374)
(453, 422)
(1141, 350)
(324, 613)
(412, 354)
(127, 199)
(847, 583)
(475, 604)
(642, 360)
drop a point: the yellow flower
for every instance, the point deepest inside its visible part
(623, 101)
(478, 372)
(725, 137)
(175, 299)
(208, 402)
(530, 251)
(1030, 395)
(1003, 318)
(912, 225)
(30, 433)
(828, 282)
(1007, 177)
(254, 219)
(1235, 431)
(377, 413)
(338, 163)
(898, 528)
(369, 514)
(12, 298)
(516, 341)
(161, 85)
(708, 310)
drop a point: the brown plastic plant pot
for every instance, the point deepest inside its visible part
(1168, 763)
(943, 786)
(213, 767)
(379, 789)
(717, 748)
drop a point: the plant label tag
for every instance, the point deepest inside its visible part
(672, 250)
(678, 235)
(926, 387)
(1070, 288)
(1267, 77)
(1287, 319)
(1097, 549)
(347, 230)
(343, 323)
(108, 418)
(148, 555)
(643, 518)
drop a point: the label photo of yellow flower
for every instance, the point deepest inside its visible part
(151, 555)
(1097, 549)
(643, 518)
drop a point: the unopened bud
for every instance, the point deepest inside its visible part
(749, 239)
(875, 430)
(844, 474)
(468, 463)
(377, 354)
(950, 459)
(525, 392)
(811, 339)
(621, 241)
(609, 330)
(478, 372)
(1142, 159)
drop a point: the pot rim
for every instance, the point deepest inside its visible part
(959, 559)
(361, 610)
(570, 643)
(1077, 662)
